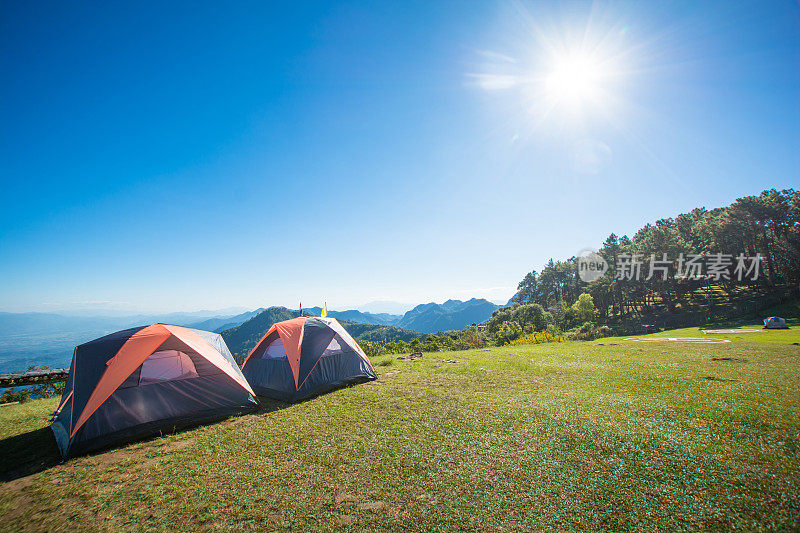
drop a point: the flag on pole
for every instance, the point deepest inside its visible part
(324, 309)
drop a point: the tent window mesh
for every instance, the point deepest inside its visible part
(275, 350)
(161, 366)
(335, 347)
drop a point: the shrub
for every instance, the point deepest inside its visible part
(589, 332)
(20, 396)
(508, 332)
(537, 338)
(583, 309)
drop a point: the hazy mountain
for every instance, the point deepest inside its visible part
(424, 318)
(353, 315)
(94, 312)
(222, 323)
(378, 307)
(451, 315)
(49, 338)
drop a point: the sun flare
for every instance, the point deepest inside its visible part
(562, 77)
(574, 79)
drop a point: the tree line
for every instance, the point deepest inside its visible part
(705, 261)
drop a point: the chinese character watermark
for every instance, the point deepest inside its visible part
(635, 267)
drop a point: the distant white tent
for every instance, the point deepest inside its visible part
(775, 322)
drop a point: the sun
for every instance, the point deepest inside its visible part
(574, 79)
(562, 77)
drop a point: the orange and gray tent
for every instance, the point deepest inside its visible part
(304, 357)
(141, 381)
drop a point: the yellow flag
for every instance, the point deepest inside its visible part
(324, 309)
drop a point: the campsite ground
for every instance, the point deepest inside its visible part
(604, 435)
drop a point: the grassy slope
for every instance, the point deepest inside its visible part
(571, 436)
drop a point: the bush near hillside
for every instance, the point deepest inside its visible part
(11, 396)
(588, 332)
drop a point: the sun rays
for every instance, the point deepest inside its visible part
(559, 76)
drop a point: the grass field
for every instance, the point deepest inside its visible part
(603, 435)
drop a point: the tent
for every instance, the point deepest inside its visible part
(775, 322)
(304, 357)
(146, 380)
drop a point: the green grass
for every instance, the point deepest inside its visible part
(609, 435)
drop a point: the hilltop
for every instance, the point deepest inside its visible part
(572, 436)
(746, 258)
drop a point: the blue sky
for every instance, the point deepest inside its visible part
(186, 156)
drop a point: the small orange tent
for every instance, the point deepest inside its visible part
(304, 357)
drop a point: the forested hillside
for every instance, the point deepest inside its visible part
(218, 324)
(378, 333)
(243, 337)
(722, 241)
(451, 315)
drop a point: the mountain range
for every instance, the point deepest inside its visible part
(242, 338)
(48, 338)
(451, 315)
(383, 319)
(424, 318)
(221, 323)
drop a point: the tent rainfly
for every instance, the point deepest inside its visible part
(304, 357)
(145, 380)
(775, 322)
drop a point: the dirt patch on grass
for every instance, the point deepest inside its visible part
(181, 444)
(141, 456)
(18, 484)
(346, 520)
(345, 498)
(372, 506)
(348, 499)
(428, 498)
